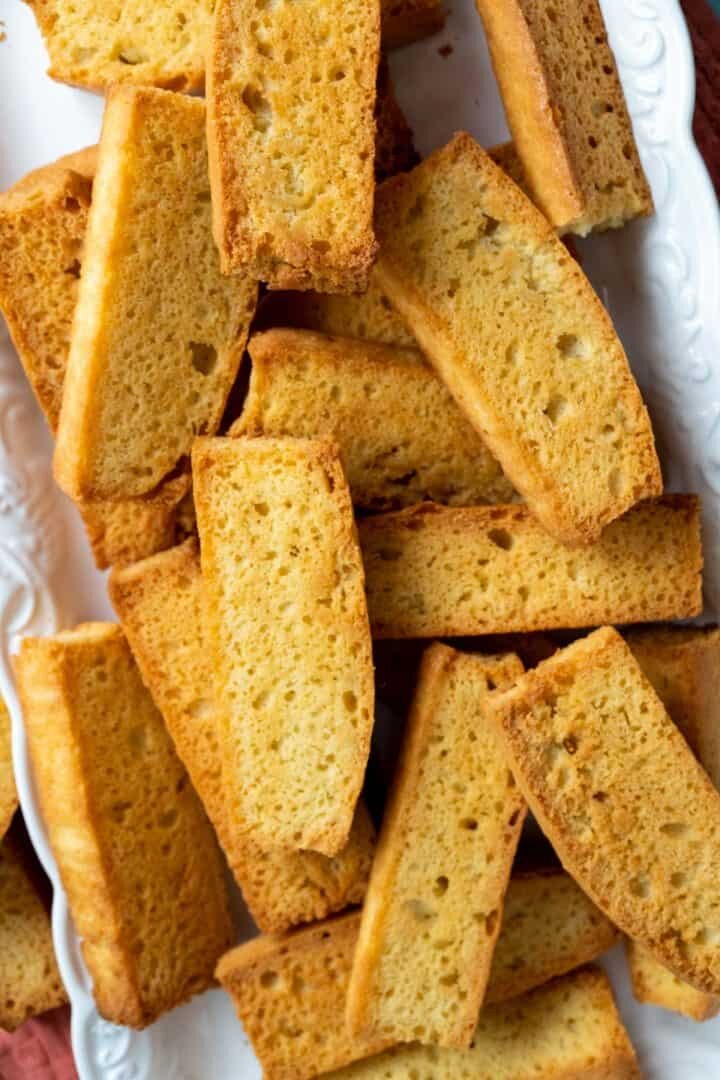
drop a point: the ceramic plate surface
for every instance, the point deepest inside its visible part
(661, 282)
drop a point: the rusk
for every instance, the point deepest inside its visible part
(394, 148)
(549, 927)
(434, 903)
(402, 438)
(137, 857)
(289, 992)
(292, 659)
(617, 791)
(506, 315)
(566, 110)
(158, 333)
(159, 602)
(683, 665)
(405, 21)
(29, 978)
(443, 571)
(291, 139)
(567, 1030)
(8, 791)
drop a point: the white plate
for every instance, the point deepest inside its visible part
(661, 281)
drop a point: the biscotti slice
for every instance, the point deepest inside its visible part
(289, 992)
(567, 1030)
(451, 826)
(42, 230)
(96, 44)
(566, 110)
(683, 665)
(506, 156)
(514, 328)
(135, 851)
(158, 332)
(549, 927)
(159, 602)
(444, 571)
(616, 789)
(291, 138)
(8, 791)
(405, 21)
(29, 978)
(368, 315)
(654, 984)
(402, 438)
(288, 630)
(394, 148)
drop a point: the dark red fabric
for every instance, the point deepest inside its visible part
(705, 34)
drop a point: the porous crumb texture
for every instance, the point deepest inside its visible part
(29, 978)
(8, 791)
(288, 629)
(289, 992)
(159, 333)
(291, 134)
(136, 854)
(405, 21)
(614, 786)
(394, 148)
(513, 326)
(443, 571)
(434, 903)
(683, 665)
(566, 110)
(159, 602)
(97, 43)
(506, 156)
(402, 439)
(42, 230)
(368, 315)
(549, 927)
(567, 1030)
(654, 984)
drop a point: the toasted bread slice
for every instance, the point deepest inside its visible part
(136, 853)
(289, 992)
(617, 791)
(434, 903)
(294, 734)
(8, 791)
(514, 328)
(568, 1029)
(654, 984)
(394, 148)
(442, 572)
(683, 665)
(402, 438)
(566, 110)
(368, 315)
(159, 602)
(549, 927)
(405, 21)
(158, 332)
(506, 156)
(291, 138)
(29, 977)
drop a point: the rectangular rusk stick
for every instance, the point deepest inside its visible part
(434, 903)
(292, 660)
(566, 110)
(401, 436)
(567, 1030)
(291, 137)
(617, 791)
(683, 665)
(138, 859)
(160, 604)
(514, 328)
(158, 333)
(444, 571)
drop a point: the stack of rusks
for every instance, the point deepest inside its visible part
(435, 465)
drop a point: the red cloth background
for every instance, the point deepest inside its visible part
(40, 1049)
